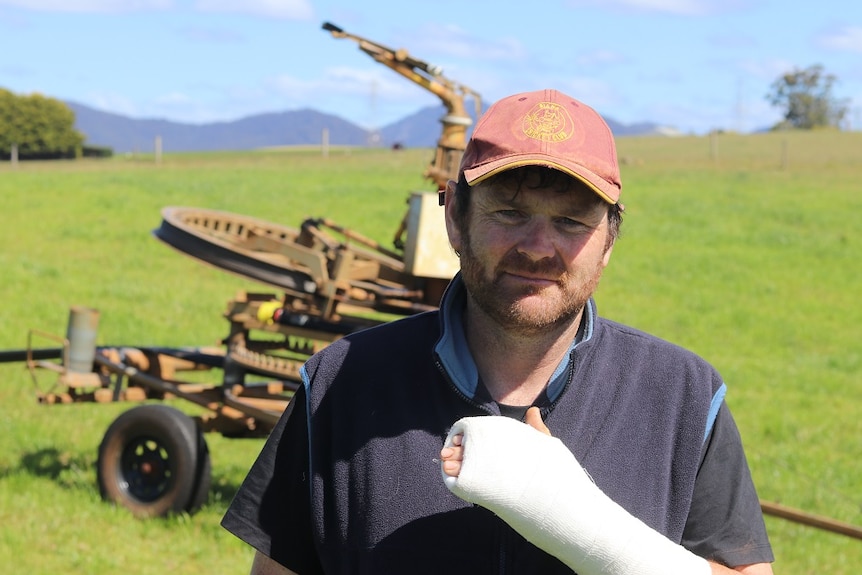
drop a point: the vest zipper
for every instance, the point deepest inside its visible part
(503, 531)
(439, 365)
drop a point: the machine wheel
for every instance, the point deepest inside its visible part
(227, 241)
(204, 476)
(154, 461)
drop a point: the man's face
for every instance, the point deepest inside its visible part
(532, 255)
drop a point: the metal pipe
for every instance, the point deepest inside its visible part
(10, 355)
(811, 520)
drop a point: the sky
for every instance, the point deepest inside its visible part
(695, 65)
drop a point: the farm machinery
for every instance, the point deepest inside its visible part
(329, 281)
(153, 459)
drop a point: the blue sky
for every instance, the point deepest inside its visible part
(696, 65)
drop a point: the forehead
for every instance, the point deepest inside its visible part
(539, 185)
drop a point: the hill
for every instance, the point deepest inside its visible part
(299, 127)
(290, 128)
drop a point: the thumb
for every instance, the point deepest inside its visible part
(534, 420)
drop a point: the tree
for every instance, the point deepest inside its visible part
(806, 97)
(40, 127)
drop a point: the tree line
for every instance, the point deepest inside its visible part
(37, 127)
(805, 96)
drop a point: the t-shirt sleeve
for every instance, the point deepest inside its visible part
(271, 510)
(725, 523)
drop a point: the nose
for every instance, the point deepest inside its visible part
(536, 240)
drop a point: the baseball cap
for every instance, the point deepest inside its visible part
(544, 128)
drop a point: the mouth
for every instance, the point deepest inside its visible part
(534, 276)
(534, 280)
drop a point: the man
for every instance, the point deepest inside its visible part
(630, 462)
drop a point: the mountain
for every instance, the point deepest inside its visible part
(291, 128)
(419, 130)
(298, 127)
(423, 128)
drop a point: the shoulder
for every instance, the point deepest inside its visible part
(620, 334)
(647, 362)
(390, 342)
(629, 342)
(403, 331)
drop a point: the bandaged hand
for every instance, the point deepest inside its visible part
(534, 483)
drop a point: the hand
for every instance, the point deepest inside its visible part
(453, 455)
(533, 482)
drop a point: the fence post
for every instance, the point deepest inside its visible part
(325, 142)
(713, 146)
(158, 146)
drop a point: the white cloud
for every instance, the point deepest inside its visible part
(767, 70)
(184, 108)
(452, 41)
(112, 102)
(677, 7)
(91, 6)
(342, 80)
(212, 35)
(847, 39)
(284, 9)
(173, 99)
(596, 93)
(731, 40)
(369, 97)
(686, 7)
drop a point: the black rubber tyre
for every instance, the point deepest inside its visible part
(153, 460)
(203, 477)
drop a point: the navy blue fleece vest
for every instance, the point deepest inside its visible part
(632, 408)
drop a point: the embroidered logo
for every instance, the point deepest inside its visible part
(548, 122)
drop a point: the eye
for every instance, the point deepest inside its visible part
(509, 215)
(571, 224)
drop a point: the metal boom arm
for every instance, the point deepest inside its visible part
(453, 138)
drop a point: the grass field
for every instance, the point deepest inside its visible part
(742, 248)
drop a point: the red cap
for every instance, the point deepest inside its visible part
(544, 128)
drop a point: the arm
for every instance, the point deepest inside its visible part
(552, 502)
(724, 519)
(271, 510)
(263, 565)
(756, 569)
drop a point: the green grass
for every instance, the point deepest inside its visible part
(742, 248)
(753, 262)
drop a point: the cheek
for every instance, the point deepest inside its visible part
(586, 251)
(490, 244)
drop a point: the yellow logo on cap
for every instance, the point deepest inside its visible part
(548, 122)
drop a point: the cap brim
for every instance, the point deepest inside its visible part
(606, 191)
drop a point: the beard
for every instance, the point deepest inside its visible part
(525, 309)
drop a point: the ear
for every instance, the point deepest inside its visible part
(452, 229)
(606, 258)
